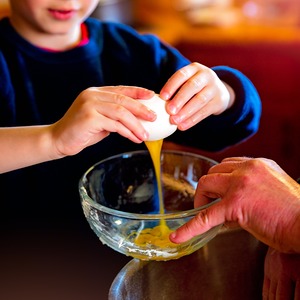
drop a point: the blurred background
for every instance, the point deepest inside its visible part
(261, 38)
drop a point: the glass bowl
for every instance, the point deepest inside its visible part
(119, 197)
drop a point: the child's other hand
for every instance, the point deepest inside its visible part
(196, 92)
(96, 112)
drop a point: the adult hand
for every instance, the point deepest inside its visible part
(196, 92)
(255, 194)
(281, 276)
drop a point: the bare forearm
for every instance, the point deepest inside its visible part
(24, 146)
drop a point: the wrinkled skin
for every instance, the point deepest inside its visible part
(282, 276)
(257, 195)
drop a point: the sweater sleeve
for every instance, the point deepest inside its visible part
(235, 125)
(7, 106)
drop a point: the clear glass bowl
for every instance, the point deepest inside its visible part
(120, 201)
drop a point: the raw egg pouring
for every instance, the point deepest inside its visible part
(158, 130)
(119, 217)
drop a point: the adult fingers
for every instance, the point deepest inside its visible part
(266, 288)
(285, 288)
(227, 166)
(202, 222)
(210, 187)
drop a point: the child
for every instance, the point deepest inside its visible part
(52, 53)
(80, 127)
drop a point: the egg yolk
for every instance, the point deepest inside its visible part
(158, 235)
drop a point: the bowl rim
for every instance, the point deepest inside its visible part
(136, 216)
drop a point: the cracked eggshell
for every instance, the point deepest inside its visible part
(161, 127)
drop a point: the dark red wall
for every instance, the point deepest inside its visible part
(274, 69)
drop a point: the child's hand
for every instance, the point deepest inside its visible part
(195, 92)
(98, 111)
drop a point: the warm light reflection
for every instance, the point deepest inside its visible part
(4, 8)
(272, 12)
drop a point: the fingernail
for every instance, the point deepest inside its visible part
(152, 114)
(165, 96)
(172, 108)
(173, 235)
(145, 135)
(184, 126)
(177, 119)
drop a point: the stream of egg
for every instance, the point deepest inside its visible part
(158, 235)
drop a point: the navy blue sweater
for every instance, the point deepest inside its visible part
(37, 87)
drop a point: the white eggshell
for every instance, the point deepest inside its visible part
(161, 127)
